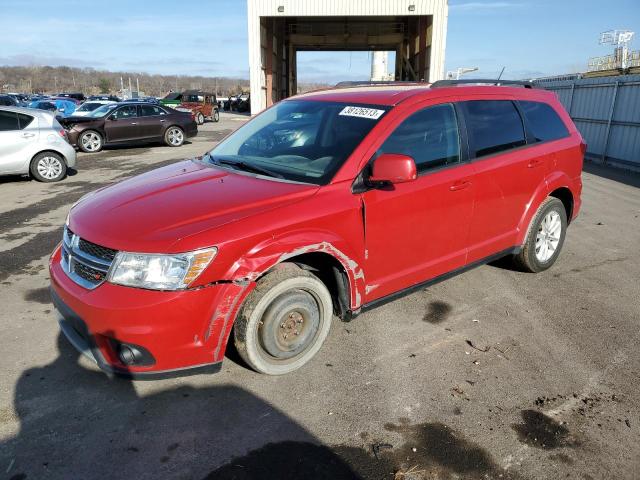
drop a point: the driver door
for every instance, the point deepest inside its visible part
(122, 125)
(419, 230)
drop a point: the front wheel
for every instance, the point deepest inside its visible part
(174, 136)
(284, 321)
(545, 237)
(90, 142)
(200, 118)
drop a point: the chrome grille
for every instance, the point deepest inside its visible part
(84, 262)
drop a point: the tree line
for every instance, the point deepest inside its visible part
(45, 79)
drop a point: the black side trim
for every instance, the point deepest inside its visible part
(401, 293)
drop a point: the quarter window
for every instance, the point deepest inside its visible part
(493, 126)
(543, 121)
(429, 136)
(8, 121)
(24, 120)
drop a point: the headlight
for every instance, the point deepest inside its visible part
(160, 272)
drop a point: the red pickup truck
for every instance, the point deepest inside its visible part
(325, 205)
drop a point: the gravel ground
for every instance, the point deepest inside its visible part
(492, 374)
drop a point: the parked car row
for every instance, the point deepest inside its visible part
(40, 143)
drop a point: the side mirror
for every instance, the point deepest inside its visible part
(392, 168)
(113, 118)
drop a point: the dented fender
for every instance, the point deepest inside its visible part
(261, 258)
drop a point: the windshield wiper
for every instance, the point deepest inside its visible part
(247, 167)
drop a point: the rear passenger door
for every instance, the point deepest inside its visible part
(15, 141)
(418, 230)
(151, 121)
(507, 173)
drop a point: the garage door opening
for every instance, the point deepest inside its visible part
(285, 35)
(321, 68)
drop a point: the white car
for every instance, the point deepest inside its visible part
(32, 142)
(89, 106)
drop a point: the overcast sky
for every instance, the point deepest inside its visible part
(209, 37)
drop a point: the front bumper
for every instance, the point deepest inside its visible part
(181, 330)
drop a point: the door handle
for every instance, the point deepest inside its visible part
(461, 185)
(162, 121)
(28, 135)
(536, 162)
(134, 123)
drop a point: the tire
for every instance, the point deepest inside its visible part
(216, 116)
(200, 118)
(174, 136)
(48, 167)
(285, 301)
(543, 242)
(90, 141)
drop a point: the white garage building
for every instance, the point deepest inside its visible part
(415, 29)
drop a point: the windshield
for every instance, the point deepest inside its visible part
(305, 141)
(103, 110)
(88, 107)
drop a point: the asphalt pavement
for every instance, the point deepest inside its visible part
(492, 374)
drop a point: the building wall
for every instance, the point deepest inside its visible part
(438, 9)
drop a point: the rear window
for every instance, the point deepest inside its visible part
(493, 125)
(8, 121)
(543, 121)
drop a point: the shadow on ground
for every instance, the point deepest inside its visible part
(78, 423)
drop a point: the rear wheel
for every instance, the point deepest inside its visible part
(90, 141)
(284, 321)
(174, 136)
(216, 116)
(48, 167)
(545, 237)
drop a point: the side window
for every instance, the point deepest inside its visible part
(493, 126)
(430, 136)
(24, 120)
(150, 111)
(8, 121)
(543, 121)
(129, 111)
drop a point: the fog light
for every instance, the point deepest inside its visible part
(129, 355)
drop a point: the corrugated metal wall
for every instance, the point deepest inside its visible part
(606, 110)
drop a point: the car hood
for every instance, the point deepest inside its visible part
(153, 211)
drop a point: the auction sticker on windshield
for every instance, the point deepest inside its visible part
(362, 112)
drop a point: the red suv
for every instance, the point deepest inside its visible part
(328, 203)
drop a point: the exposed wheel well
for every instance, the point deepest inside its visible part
(330, 272)
(566, 197)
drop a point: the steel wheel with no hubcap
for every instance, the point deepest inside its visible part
(289, 325)
(91, 142)
(548, 236)
(49, 167)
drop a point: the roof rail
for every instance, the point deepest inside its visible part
(484, 81)
(375, 83)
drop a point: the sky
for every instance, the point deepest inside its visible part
(530, 38)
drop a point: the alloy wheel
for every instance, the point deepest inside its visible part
(548, 236)
(91, 142)
(175, 136)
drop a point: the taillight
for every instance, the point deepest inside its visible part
(62, 133)
(583, 147)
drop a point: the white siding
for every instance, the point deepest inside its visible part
(322, 8)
